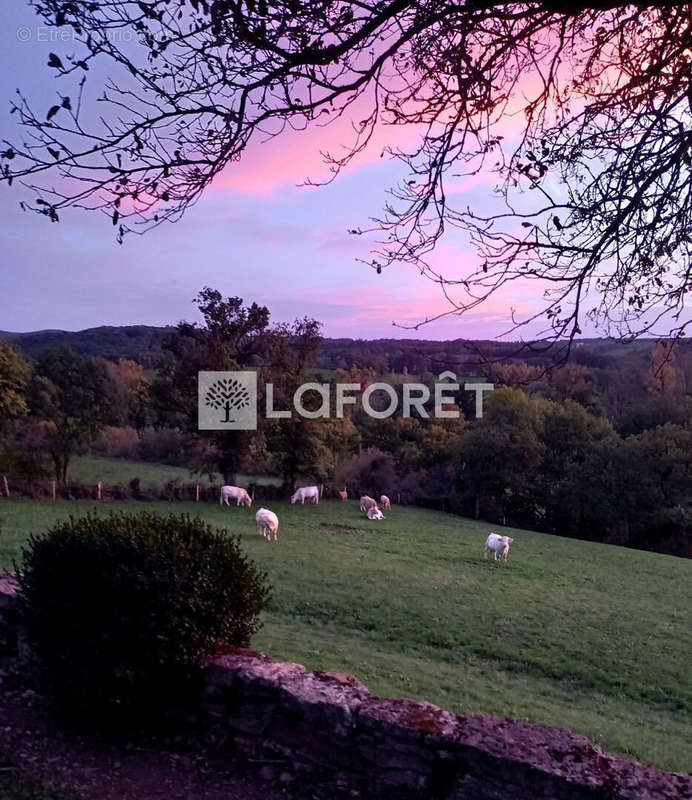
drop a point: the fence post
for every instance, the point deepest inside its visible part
(99, 490)
(53, 489)
(197, 493)
(7, 488)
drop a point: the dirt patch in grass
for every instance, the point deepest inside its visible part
(339, 527)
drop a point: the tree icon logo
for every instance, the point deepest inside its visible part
(228, 395)
(227, 401)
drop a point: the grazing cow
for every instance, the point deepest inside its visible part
(367, 502)
(384, 501)
(267, 524)
(343, 495)
(311, 493)
(499, 545)
(375, 513)
(236, 493)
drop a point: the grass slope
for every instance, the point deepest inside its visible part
(91, 469)
(588, 636)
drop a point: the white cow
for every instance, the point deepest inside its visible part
(367, 502)
(267, 524)
(375, 513)
(499, 545)
(311, 493)
(343, 495)
(236, 493)
(384, 501)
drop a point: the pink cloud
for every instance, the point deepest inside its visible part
(295, 156)
(402, 297)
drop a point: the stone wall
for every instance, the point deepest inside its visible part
(325, 730)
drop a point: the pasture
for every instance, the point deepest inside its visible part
(587, 636)
(91, 469)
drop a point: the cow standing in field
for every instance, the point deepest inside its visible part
(367, 502)
(384, 502)
(375, 513)
(311, 493)
(343, 495)
(267, 524)
(236, 493)
(499, 546)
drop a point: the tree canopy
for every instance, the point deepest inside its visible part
(75, 398)
(579, 113)
(14, 377)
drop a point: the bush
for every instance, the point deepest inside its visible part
(122, 611)
(166, 446)
(372, 472)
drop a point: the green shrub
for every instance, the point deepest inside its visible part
(121, 611)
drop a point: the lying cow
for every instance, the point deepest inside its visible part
(366, 503)
(311, 493)
(499, 545)
(375, 513)
(267, 524)
(384, 501)
(236, 493)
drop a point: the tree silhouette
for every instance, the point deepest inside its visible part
(227, 394)
(579, 113)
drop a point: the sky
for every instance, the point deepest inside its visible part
(256, 234)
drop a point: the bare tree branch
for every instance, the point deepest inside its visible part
(593, 181)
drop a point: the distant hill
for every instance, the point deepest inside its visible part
(143, 344)
(139, 342)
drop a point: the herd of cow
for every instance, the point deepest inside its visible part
(268, 522)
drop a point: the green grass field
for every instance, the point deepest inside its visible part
(588, 636)
(92, 469)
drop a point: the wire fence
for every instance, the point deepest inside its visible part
(14, 486)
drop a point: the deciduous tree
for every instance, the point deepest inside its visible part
(231, 337)
(73, 397)
(14, 376)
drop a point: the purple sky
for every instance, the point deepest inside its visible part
(255, 234)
